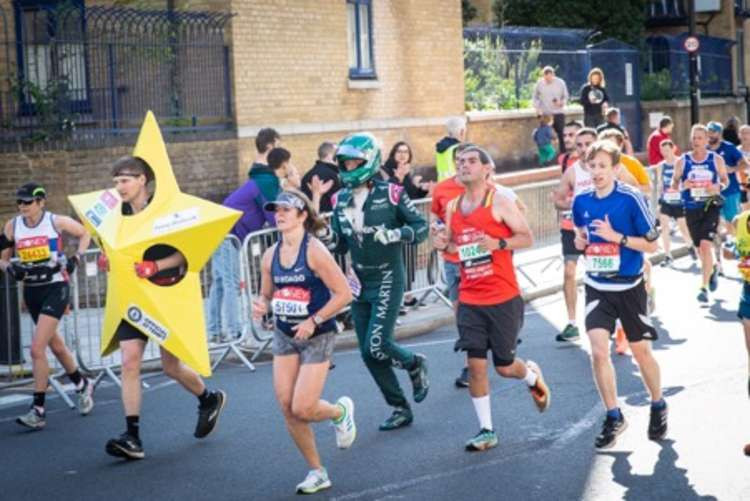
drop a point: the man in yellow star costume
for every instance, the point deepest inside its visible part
(155, 246)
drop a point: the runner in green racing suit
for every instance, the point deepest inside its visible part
(373, 219)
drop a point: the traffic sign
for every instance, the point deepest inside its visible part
(691, 44)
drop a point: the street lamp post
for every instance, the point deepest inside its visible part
(693, 54)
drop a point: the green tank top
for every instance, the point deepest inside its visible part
(743, 235)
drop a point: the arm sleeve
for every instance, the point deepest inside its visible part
(643, 220)
(414, 226)
(338, 243)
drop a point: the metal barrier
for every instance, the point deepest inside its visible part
(89, 293)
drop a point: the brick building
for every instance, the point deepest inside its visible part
(313, 70)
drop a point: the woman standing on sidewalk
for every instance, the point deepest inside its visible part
(398, 170)
(304, 288)
(594, 99)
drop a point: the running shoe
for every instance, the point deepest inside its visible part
(401, 417)
(346, 429)
(657, 425)
(693, 253)
(418, 376)
(315, 481)
(667, 261)
(611, 428)
(485, 439)
(621, 341)
(208, 416)
(32, 419)
(540, 391)
(568, 335)
(713, 281)
(125, 446)
(86, 397)
(703, 295)
(462, 381)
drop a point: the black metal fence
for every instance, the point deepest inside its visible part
(79, 77)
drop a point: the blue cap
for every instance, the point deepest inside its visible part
(714, 127)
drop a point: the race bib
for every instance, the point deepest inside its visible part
(475, 259)
(672, 196)
(290, 302)
(603, 257)
(699, 189)
(33, 249)
(354, 284)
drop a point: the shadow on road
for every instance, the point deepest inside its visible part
(667, 480)
(718, 313)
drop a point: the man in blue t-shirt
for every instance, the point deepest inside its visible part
(614, 227)
(734, 161)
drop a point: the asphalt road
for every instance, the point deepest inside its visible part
(540, 456)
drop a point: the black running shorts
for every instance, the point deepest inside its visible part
(490, 327)
(126, 332)
(702, 223)
(51, 300)
(671, 210)
(569, 250)
(603, 308)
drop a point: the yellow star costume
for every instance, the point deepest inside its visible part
(170, 315)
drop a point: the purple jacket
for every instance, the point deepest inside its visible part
(248, 199)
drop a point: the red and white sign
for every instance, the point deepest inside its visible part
(691, 44)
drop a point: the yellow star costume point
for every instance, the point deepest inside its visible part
(170, 315)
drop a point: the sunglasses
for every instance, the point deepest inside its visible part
(24, 202)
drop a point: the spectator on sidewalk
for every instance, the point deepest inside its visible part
(225, 273)
(328, 182)
(397, 168)
(614, 122)
(269, 177)
(550, 97)
(266, 140)
(666, 125)
(594, 99)
(546, 140)
(732, 131)
(444, 157)
(570, 156)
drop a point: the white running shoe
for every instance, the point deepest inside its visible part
(32, 419)
(316, 480)
(86, 397)
(346, 429)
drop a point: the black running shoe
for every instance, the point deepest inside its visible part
(402, 416)
(208, 416)
(610, 429)
(418, 376)
(657, 425)
(126, 446)
(462, 381)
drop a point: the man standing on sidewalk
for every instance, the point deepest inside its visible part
(550, 98)
(484, 227)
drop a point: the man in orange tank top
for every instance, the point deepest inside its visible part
(484, 227)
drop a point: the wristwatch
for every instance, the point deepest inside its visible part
(317, 320)
(624, 240)
(502, 244)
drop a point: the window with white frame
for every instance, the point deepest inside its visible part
(359, 36)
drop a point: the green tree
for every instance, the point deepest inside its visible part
(620, 19)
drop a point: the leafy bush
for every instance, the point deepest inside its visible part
(656, 86)
(497, 79)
